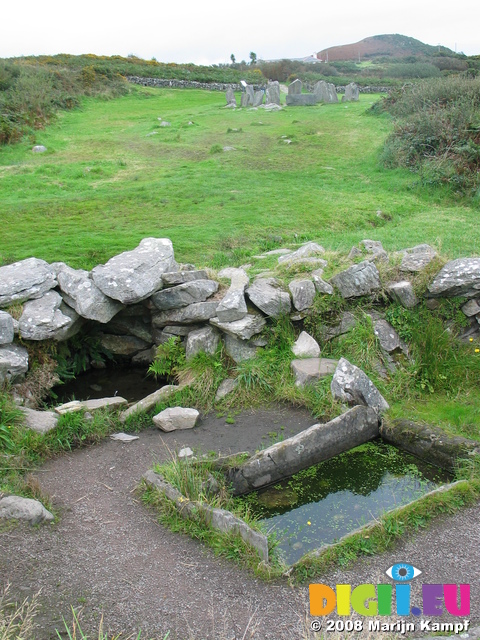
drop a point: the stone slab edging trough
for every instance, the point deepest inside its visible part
(219, 519)
(316, 444)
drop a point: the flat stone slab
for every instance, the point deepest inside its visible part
(40, 421)
(316, 444)
(417, 258)
(267, 295)
(175, 418)
(134, 275)
(173, 278)
(18, 508)
(310, 370)
(185, 294)
(245, 328)
(145, 404)
(91, 405)
(25, 280)
(193, 314)
(459, 277)
(308, 250)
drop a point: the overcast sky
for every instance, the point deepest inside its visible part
(209, 32)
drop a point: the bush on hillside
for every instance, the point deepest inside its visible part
(437, 131)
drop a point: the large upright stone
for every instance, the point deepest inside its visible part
(352, 93)
(48, 318)
(295, 88)
(273, 93)
(267, 295)
(351, 385)
(13, 362)
(325, 92)
(230, 97)
(247, 96)
(134, 275)
(6, 328)
(184, 294)
(358, 280)
(459, 277)
(82, 294)
(258, 97)
(25, 280)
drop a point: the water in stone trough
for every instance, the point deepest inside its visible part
(131, 383)
(321, 504)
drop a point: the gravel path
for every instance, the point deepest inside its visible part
(107, 554)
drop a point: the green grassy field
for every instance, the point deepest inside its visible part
(112, 175)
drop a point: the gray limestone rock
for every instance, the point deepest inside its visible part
(173, 278)
(266, 294)
(239, 350)
(39, 421)
(303, 293)
(346, 324)
(305, 346)
(225, 388)
(39, 148)
(48, 318)
(110, 404)
(351, 385)
(352, 93)
(308, 250)
(194, 313)
(375, 249)
(144, 358)
(417, 258)
(325, 92)
(184, 294)
(134, 275)
(272, 96)
(82, 294)
(258, 97)
(230, 97)
(123, 345)
(149, 401)
(310, 370)
(13, 362)
(354, 253)
(459, 277)
(204, 340)
(18, 508)
(302, 100)
(176, 418)
(387, 336)
(7, 331)
(25, 280)
(471, 308)
(233, 306)
(295, 88)
(321, 286)
(131, 325)
(244, 328)
(403, 293)
(358, 280)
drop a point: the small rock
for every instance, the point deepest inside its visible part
(226, 386)
(310, 370)
(18, 508)
(39, 148)
(176, 418)
(403, 293)
(306, 346)
(186, 452)
(351, 385)
(123, 437)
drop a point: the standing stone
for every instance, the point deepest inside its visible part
(184, 294)
(325, 92)
(13, 362)
(82, 294)
(295, 88)
(306, 346)
(273, 93)
(459, 277)
(6, 328)
(403, 293)
(247, 96)
(417, 258)
(258, 97)
(176, 418)
(25, 280)
(358, 280)
(230, 97)
(204, 340)
(352, 93)
(303, 293)
(266, 294)
(48, 318)
(134, 275)
(351, 385)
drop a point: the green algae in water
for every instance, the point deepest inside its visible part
(321, 504)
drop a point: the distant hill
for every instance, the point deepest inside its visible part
(389, 45)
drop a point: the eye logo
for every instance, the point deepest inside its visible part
(402, 572)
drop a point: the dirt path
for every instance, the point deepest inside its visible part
(107, 554)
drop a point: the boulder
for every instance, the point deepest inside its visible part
(403, 293)
(301, 100)
(308, 250)
(82, 294)
(134, 275)
(459, 277)
(267, 295)
(48, 318)
(176, 418)
(246, 328)
(358, 280)
(306, 346)
(351, 385)
(233, 306)
(310, 370)
(204, 340)
(182, 295)
(303, 293)
(173, 278)
(320, 285)
(239, 350)
(272, 94)
(192, 314)
(7, 331)
(417, 258)
(39, 421)
(13, 362)
(18, 508)
(352, 93)
(25, 280)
